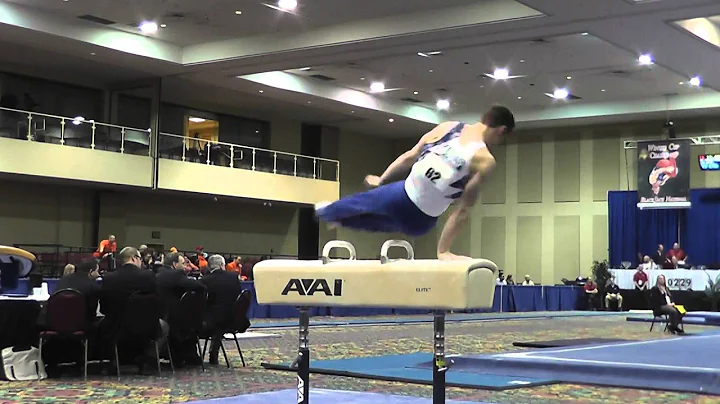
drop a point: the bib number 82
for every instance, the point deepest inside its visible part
(432, 175)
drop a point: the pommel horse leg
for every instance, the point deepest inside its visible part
(303, 359)
(440, 367)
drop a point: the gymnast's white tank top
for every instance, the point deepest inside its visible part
(441, 173)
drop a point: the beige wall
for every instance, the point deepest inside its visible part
(544, 213)
(37, 213)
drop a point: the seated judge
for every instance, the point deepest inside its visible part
(117, 286)
(659, 257)
(661, 302)
(172, 284)
(83, 279)
(679, 254)
(223, 290)
(612, 293)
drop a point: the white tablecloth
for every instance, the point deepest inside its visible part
(678, 279)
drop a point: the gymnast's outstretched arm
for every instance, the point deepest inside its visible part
(484, 166)
(402, 165)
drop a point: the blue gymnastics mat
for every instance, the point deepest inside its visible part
(693, 317)
(684, 364)
(319, 396)
(429, 319)
(402, 368)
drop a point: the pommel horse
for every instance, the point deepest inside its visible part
(435, 285)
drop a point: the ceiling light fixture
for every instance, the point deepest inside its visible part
(519, 98)
(561, 94)
(443, 104)
(695, 81)
(163, 25)
(391, 120)
(522, 60)
(196, 120)
(431, 70)
(238, 12)
(377, 87)
(415, 93)
(261, 91)
(362, 78)
(288, 5)
(148, 27)
(584, 34)
(425, 55)
(603, 90)
(501, 74)
(92, 53)
(569, 77)
(681, 83)
(304, 69)
(645, 59)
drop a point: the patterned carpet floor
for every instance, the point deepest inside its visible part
(343, 342)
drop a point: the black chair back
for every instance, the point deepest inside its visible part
(141, 316)
(187, 318)
(241, 322)
(65, 311)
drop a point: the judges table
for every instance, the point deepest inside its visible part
(507, 299)
(677, 279)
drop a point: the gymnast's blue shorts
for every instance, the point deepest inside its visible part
(384, 209)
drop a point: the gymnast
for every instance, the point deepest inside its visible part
(448, 164)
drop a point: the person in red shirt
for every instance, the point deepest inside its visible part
(677, 252)
(640, 279)
(591, 291)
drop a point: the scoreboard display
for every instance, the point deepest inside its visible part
(709, 162)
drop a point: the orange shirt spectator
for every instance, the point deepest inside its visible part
(236, 267)
(106, 246)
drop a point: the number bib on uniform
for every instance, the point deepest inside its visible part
(436, 170)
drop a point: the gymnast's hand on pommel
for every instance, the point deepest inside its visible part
(372, 181)
(448, 256)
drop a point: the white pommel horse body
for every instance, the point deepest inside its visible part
(435, 285)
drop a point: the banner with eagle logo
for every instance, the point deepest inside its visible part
(663, 168)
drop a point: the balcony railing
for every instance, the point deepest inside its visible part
(245, 157)
(79, 132)
(74, 132)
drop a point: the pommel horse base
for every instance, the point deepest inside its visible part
(435, 285)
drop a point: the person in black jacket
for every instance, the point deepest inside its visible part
(661, 303)
(223, 290)
(172, 283)
(84, 281)
(117, 287)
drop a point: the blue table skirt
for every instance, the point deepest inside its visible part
(507, 299)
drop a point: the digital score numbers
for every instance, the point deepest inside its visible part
(709, 162)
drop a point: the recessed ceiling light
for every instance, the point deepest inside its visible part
(163, 25)
(443, 104)
(569, 77)
(519, 98)
(584, 34)
(238, 12)
(377, 87)
(309, 102)
(148, 27)
(352, 112)
(434, 53)
(522, 60)
(287, 4)
(261, 91)
(362, 78)
(431, 70)
(196, 120)
(92, 53)
(304, 69)
(603, 90)
(391, 120)
(501, 74)
(415, 92)
(425, 55)
(695, 81)
(645, 59)
(681, 83)
(561, 93)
